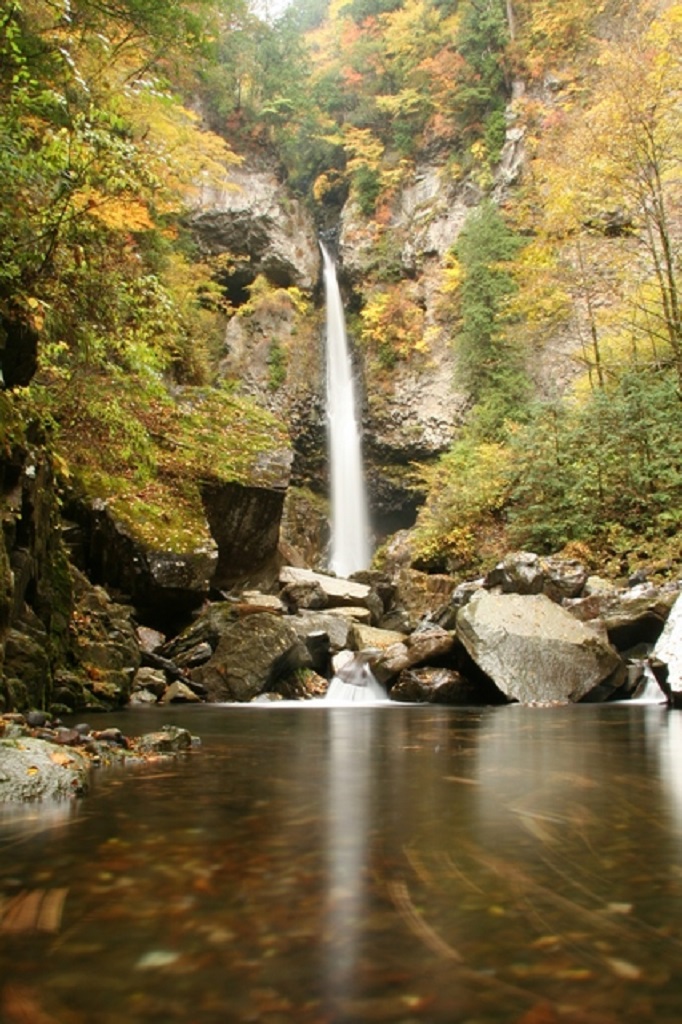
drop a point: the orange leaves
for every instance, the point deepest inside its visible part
(393, 324)
(117, 213)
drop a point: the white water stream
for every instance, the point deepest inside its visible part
(350, 549)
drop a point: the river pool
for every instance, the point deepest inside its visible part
(321, 865)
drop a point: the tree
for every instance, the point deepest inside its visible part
(490, 366)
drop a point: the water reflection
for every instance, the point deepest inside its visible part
(349, 785)
(371, 864)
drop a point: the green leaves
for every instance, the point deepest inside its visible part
(490, 365)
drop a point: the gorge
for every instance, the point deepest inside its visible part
(494, 837)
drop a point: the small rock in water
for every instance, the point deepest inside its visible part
(36, 719)
(156, 958)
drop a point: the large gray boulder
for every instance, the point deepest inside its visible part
(668, 648)
(630, 616)
(252, 653)
(336, 591)
(535, 651)
(32, 769)
(524, 572)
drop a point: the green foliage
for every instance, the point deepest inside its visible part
(615, 459)
(367, 186)
(468, 491)
(277, 365)
(490, 366)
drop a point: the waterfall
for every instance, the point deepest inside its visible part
(349, 517)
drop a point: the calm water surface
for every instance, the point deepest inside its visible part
(317, 865)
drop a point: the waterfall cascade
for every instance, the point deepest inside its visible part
(354, 680)
(349, 517)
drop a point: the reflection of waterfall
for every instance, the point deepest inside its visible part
(349, 791)
(349, 519)
(668, 735)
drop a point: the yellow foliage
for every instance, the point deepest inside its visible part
(542, 298)
(183, 155)
(468, 487)
(393, 323)
(118, 213)
(364, 148)
(451, 275)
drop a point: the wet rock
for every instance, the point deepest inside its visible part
(534, 650)
(417, 594)
(251, 654)
(336, 590)
(417, 649)
(304, 595)
(435, 686)
(143, 697)
(151, 679)
(305, 684)
(111, 735)
(179, 693)
(33, 769)
(169, 740)
(523, 572)
(37, 718)
(630, 616)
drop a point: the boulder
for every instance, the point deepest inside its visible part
(536, 651)
(335, 627)
(170, 739)
(523, 572)
(179, 693)
(197, 641)
(308, 594)
(520, 572)
(418, 649)
(435, 686)
(353, 614)
(151, 679)
(668, 649)
(630, 616)
(245, 522)
(564, 577)
(336, 590)
(33, 769)
(252, 653)
(163, 585)
(418, 595)
(363, 636)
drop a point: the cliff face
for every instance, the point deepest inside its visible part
(273, 341)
